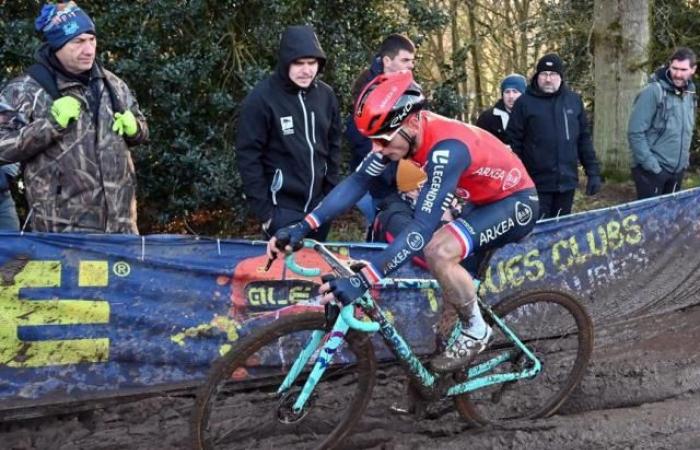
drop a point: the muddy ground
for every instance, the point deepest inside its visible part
(642, 391)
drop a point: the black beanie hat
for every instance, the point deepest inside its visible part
(551, 62)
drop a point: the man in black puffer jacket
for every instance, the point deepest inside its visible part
(548, 130)
(288, 141)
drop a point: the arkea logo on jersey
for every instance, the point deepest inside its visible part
(496, 231)
(441, 156)
(287, 125)
(491, 172)
(415, 241)
(523, 213)
(512, 179)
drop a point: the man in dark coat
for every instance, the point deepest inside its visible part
(548, 130)
(288, 142)
(495, 119)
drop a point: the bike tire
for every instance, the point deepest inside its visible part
(338, 402)
(558, 329)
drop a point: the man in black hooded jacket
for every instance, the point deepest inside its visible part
(288, 141)
(548, 130)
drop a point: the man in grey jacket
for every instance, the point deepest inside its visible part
(661, 126)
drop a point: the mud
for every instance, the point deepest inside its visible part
(642, 390)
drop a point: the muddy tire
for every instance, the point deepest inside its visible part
(556, 327)
(234, 411)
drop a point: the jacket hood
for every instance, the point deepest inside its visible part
(298, 41)
(662, 76)
(46, 56)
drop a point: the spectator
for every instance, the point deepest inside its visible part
(661, 126)
(548, 130)
(78, 172)
(9, 120)
(288, 143)
(8, 212)
(396, 208)
(396, 53)
(495, 119)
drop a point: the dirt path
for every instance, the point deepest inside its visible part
(642, 391)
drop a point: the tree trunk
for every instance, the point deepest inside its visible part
(620, 44)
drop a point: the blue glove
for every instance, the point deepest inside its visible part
(594, 184)
(292, 235)
(347, 290)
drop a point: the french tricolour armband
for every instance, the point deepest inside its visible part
(312, 221)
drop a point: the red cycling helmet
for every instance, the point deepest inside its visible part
(386, 102)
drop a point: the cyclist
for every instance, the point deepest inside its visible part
(458, 158)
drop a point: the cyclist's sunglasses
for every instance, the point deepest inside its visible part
(385, 138)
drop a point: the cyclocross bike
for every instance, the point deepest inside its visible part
(279, 382)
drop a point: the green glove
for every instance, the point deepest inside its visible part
(65, 109)
(125, 123)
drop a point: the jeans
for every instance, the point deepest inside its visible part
(8, 213)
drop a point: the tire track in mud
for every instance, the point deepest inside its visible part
(642, 390)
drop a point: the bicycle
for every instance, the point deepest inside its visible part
(528, 369)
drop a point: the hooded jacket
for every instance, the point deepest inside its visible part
(288, 140)
(495, 120)
(549, 132)
(81, 178)
(661, 124)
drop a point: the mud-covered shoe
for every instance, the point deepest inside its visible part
(461, 352)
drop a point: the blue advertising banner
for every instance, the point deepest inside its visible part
(93, 316)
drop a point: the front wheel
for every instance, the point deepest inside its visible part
(558, 330)
(238, 406)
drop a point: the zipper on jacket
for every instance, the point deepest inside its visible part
(311, 152)
(276, 185)
(566, 125)
(313, 126)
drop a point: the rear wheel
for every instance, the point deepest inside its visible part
(557, 329)
(238, 406)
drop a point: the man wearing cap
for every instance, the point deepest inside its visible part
(495, 119)
(288, 141)
(548, 130)
(81, 122)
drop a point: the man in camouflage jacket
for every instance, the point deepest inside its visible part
(78, 171)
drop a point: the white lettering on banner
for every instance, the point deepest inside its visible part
(491, 172)
(523, 213)
(433, 190)
(496, 231)
(512, 179)
(396, 121)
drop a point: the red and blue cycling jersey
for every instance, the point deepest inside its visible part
(459, 159)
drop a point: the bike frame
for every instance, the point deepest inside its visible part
(325, 349)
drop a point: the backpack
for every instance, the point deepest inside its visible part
(46, 79)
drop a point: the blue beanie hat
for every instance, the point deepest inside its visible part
(62, 22)
(514, 81)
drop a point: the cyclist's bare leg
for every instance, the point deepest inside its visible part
(443, 254)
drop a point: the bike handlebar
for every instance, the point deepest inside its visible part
(347, 312)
